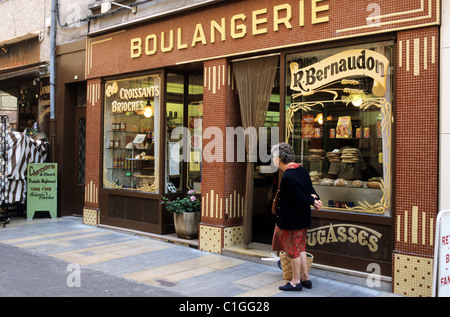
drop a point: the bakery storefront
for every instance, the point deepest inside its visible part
(349, 95)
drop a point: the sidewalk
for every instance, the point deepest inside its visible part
(178, 268)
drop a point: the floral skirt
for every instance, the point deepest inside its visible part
(290, 241)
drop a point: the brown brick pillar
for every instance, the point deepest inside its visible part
(416, 160)
(92, 179)
(223, 182)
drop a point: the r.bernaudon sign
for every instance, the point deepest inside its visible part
(342, 65)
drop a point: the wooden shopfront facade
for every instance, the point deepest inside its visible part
(355, 91)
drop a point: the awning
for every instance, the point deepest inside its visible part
(20, 38)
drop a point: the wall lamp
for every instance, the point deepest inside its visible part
(106, 6)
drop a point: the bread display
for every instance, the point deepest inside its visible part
(374, 182)
(316, 155)
(327, 182)
(350, 155)
(315, 177)
(334, 156)
(340, 182)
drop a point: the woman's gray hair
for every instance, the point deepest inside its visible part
(284, 151)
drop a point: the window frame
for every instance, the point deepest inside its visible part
(384, 206)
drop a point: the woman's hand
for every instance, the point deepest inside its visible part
(317, 202)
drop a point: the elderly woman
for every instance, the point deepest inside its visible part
(295, 197)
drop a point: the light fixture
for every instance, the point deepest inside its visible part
(357, 99)
(106, 6)
(319, 118)
(148, 110)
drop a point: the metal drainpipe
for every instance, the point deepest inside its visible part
(52, 77)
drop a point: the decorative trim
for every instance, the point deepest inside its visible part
(426, 10)
(215, 78)
(91, 217)
(232, 236)
(412, 275)
(219, 208)
(91, 193)
(210, 239)
(407, 227)
(93, 93)
(428, 52)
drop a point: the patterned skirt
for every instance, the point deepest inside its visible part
(290, 241)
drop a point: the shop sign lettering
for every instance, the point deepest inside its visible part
(126, 97)
(342, 65)
(344, 233)
(255, 23)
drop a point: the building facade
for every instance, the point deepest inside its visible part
(160, 93)
(348, 94)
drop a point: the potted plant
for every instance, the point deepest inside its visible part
(186, 214)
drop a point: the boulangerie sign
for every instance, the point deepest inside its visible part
(358, 62)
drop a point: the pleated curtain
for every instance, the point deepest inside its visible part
(254, 79)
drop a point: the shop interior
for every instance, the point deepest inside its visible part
(19, 100)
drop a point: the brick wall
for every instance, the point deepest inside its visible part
(416, 160)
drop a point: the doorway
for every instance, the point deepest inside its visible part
(75, 150)
(265, 181)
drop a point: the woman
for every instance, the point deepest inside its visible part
(295, 197)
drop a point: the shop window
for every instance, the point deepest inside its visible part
(184, 132)
(338, 119)
(131, 134)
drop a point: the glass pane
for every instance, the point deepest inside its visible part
(195, 121)
(131, 134)
(175, 114)
(338, 120)
(81, 149)
(195, 125)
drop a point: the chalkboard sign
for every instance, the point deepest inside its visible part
(42, 188)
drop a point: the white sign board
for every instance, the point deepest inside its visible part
(441, 272)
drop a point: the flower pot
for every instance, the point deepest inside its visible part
(186, 224)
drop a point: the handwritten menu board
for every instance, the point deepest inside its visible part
(42, 188)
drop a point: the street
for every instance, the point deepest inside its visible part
(63, 257)
(26, 274)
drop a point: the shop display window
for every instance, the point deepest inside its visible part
(131, 134)
(338, 119)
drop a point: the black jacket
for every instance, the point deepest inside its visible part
(295, 200)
